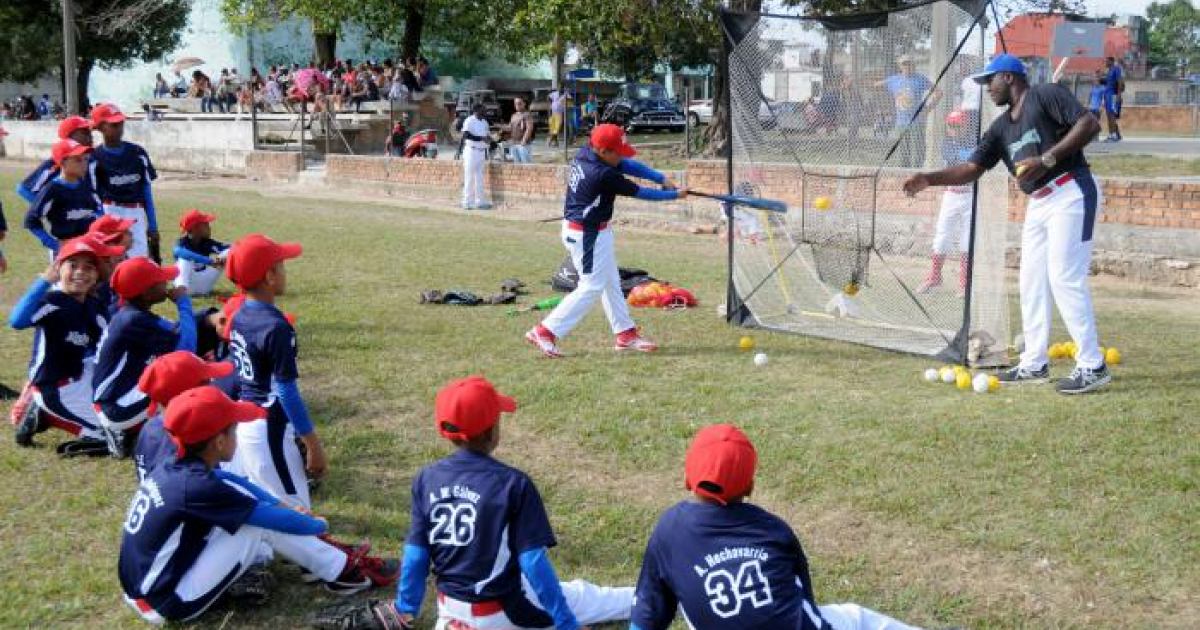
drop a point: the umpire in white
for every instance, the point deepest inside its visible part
(477, 138)
(1040, 138)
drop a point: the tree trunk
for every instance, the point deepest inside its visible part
(325, 46)
(414, 24)
(717, 136)
(85, 73)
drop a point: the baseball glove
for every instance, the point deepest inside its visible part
(371, 615)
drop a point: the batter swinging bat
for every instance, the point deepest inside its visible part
(770, 205)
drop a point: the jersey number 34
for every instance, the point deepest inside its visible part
(727, 592)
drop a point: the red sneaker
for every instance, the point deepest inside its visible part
(633, 340)
(544, 340)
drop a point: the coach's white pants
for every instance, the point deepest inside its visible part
(591, 604)
(595, 258)
(141, 245)
(197, 279)
(225, 553)
(855, 617)
(1055, 261)
(474, 159)
(953, 233)
(267, 455)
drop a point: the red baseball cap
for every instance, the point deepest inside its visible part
(199, 414)
(612, 137)
(193, 218)
(132, 277)
(67, 148)
(252, 257)
(720, 463)
(87, 245)
(467, 407)
(172, 374)
(106, 113)
(71, 124)
(110, 227)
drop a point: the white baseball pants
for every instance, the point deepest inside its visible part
(474, 159)
(197, 279)
(953, 228)
(141, 244)
(855, 617)
(595, 258)
(591, 604)
(226, 556)
(1056, 256)
(69, 406)
(267, 455)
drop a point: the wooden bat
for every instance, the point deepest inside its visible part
(1058, 72)
(771, 205)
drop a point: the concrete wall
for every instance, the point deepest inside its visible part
(204, 146)
(1181, 120)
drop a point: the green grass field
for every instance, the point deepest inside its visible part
(1022, 509)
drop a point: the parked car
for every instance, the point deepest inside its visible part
(644, 106)
(700, 112)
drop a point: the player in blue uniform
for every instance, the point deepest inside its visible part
(112, 230)
(69, 323)
(133, 339)
(74, 128)
(67, 203)
(595, 179)
(263, 345)
(121, 172)
(483, 528)
(165, 378)
(730, 564)
(1114, 88)
(198, 256)
(192, 529)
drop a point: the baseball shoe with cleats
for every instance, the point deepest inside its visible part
(31, 423)
(349, 549)
(353, 578)
(381, 571)
(632, 339)
(544, 340)
(1023, 375)
(1084, 380)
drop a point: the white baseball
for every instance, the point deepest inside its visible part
(931, 375)
(760, 359)
(980, 383)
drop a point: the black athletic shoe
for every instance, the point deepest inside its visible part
(31, 424)
(1083, 380)
(1023, 375)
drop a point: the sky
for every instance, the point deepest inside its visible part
(1120, 7)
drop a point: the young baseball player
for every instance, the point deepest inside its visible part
(67, 203)
(133, 339)
(483, 528)
(74, 128)
(1114, 88)
(192, 529)
(112, 230)
(263, 345)
(197, 255)
(69, 321)
(1040, 138)
(596, 177)
(953, 231)
(729, 564)
(121, 172)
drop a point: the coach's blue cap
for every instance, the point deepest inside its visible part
(1003, 63)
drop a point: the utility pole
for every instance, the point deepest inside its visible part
(70, 83)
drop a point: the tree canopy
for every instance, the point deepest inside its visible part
(1174, 33)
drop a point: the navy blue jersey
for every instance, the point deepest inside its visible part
(107, 297)
(121, 174)
(67, 331)
(207, 247)
(134, 338)
(735, 566)
(263, 346)
(154, 447)
(69, 208)
(592, 186)
(176, 508)
(476, 516)
(35, 181)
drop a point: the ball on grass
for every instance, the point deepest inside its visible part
(746, 343)
(963, 380)
(932, 375)
(760, 359)
(1112, 356)
(822, 203)
(993, 384)
(980, 383)
(948, 375)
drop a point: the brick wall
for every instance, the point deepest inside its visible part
(274, 165)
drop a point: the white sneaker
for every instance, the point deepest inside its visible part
(547, 344)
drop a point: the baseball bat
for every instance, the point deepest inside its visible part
(770, 205)
(1058, 72)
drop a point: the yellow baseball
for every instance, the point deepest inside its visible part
(822, 203)
(1021, 169)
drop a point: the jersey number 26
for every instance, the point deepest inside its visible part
(453, 524)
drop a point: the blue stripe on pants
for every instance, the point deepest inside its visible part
(277, 424)
(1091, 199)
(589, 249)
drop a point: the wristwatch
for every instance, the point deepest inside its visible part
(1048, 160)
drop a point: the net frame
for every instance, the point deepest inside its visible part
(956, 344)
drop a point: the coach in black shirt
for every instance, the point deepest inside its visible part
(1040, 138)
